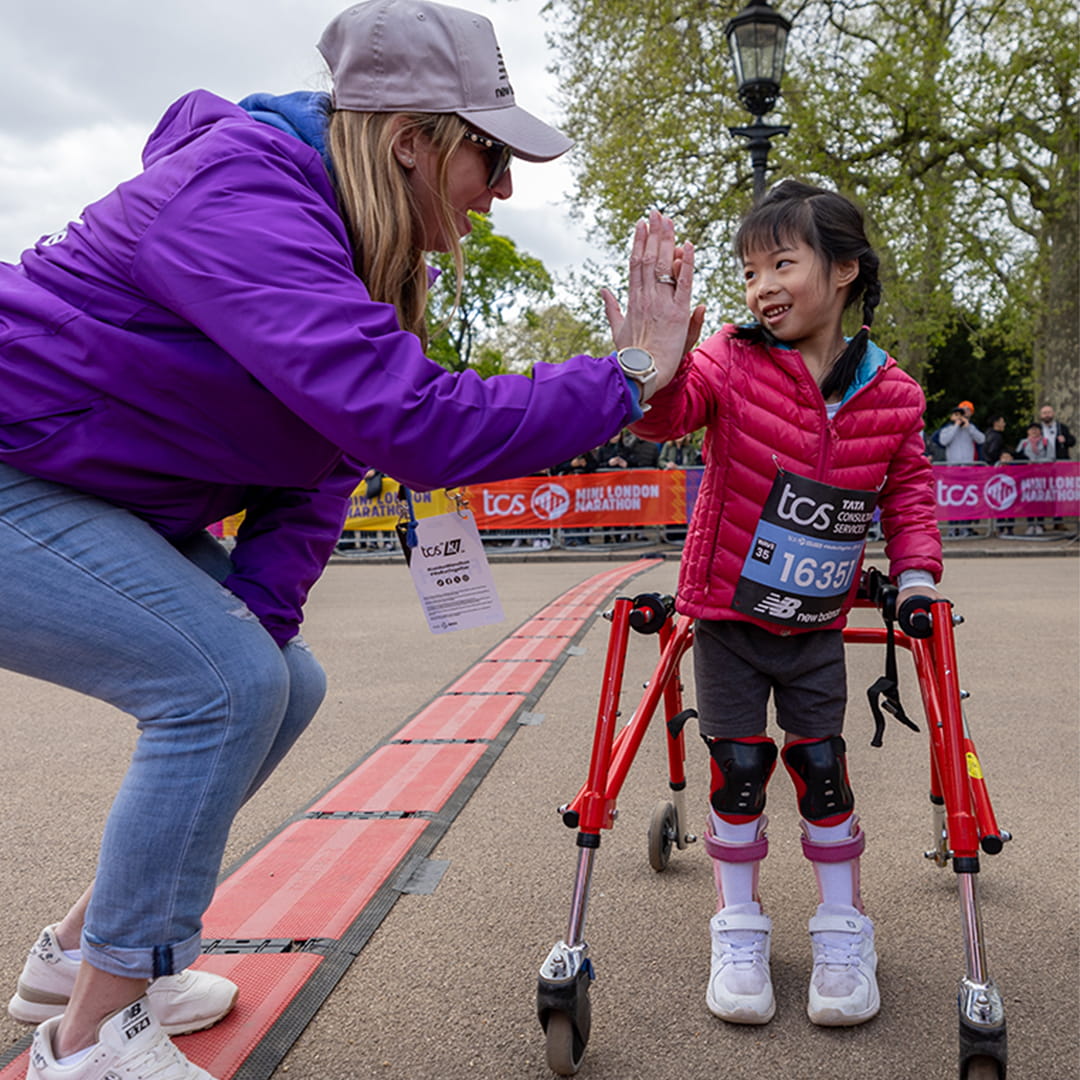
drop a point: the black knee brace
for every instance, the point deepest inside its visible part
(819, 769)
(740, 773)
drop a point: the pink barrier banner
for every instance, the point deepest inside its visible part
(966, 492)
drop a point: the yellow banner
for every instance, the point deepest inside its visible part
(384, 512)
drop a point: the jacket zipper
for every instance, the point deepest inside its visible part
(830, 430)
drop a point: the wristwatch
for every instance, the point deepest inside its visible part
(638, 364)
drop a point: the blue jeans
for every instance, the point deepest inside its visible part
(94, 599)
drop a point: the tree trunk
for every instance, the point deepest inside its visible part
(1057, 345)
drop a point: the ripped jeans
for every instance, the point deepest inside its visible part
(93, 599)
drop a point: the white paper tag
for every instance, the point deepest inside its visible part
(452, 575)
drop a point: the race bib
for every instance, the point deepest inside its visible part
(806, 550)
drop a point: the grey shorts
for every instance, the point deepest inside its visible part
(737, 664)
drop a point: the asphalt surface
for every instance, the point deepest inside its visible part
(446, 987)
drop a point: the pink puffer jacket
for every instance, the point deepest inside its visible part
(763, 411)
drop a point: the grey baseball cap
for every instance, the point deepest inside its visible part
(419, 56)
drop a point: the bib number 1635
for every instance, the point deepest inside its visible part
(829, 576)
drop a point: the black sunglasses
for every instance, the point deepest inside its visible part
(499, 155)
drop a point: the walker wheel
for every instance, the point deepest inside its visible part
(663, 833)
(984, 1068)
(983, 1052)
(565, 1046)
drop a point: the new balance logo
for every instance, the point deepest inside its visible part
(779, 607)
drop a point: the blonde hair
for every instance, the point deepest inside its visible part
(379, 210)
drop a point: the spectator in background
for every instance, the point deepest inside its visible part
(1060, 438)
(680, 453)
(1036, 447)
(960, 437)
(1057, 433)
(627, 451)
(583, 463)
(961, 440)
(995, 440)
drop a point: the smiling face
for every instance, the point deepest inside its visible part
(464, 187)
(792, 292)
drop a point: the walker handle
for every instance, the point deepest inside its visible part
(915, 618)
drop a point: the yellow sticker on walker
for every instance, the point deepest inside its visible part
(973, 766)
(452, 575)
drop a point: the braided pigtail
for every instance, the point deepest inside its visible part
(867, 285)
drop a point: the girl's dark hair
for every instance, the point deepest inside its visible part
(833, 226)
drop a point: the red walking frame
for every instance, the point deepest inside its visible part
(963, 818)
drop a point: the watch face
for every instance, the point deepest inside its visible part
(636, 360)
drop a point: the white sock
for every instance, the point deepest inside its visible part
(836, 881)
(736, 880)
(74, 954)
(74, 1059)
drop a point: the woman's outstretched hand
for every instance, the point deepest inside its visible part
(658, 315)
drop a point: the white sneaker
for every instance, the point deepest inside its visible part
(843, 986)
(131, 1046)
(182, 1003)
(740, 987)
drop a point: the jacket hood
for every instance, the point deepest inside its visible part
(184, 121)
(302, 114)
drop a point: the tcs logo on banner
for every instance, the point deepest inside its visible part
(1000, 492)
(548, 502)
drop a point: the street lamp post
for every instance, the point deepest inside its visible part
(757, 38)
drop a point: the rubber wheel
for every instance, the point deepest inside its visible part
(663, 831)
(564, 1050)
(984, 1068)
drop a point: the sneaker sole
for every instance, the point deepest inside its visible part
(34, 1012)
(835, 1018)
(739, 1016)
(826, 1017)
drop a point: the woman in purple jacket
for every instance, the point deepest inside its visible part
(241, 326)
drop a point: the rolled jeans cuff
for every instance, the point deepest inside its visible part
(142, 963)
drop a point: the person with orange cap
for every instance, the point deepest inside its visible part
(960, 437)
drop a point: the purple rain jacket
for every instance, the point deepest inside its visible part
(199, 343)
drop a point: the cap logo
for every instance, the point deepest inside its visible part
(507, 90)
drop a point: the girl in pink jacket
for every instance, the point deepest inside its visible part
(806, 434)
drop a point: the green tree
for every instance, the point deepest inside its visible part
(548, 335)
(498, 280)
(954, 122)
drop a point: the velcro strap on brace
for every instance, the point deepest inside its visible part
(844, 851)
(724, 851)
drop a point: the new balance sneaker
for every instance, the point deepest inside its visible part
(843, 986)
(131, 1044)
(740, 987)
(182, 1003)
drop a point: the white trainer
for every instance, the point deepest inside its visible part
(182, 1003)
(131, 1044)
(740, 986)
(843, 986)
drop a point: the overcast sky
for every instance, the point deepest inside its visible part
(84, 84)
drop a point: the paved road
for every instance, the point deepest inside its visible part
(445, 989)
